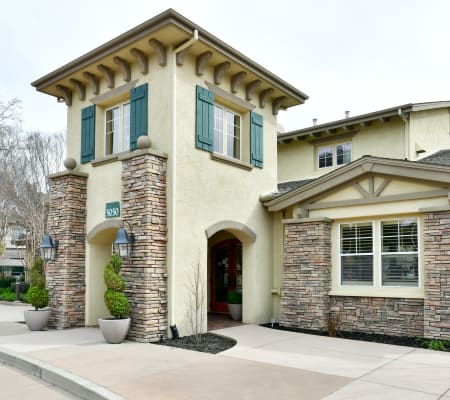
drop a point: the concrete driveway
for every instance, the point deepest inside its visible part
(265, 364)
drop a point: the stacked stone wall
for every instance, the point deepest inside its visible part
(380, 315)
(144, 207)
(436, 260)
(306, 274)
(65, 276)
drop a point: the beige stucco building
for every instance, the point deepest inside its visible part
(172, 134)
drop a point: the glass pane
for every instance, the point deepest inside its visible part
(343, 153)
(390, 238)
(325, 157)
(221, 274)
(357, 270)
(218, 129)
(126, 127)
(239, 268)
(400, 270)
(233, 134)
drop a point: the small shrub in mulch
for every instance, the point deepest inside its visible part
(209, 343)
(431, 344)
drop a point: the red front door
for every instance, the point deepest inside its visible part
(226, 272)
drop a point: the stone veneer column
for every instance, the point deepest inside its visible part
(65, 276)
(306, 273)
(436, 261)
(144, 207)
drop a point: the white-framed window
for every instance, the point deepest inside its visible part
(387, 249)
(356, 253)
(399, 253)
(334, 154)
(227, 132)
(117, 128)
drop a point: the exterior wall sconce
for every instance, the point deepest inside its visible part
(124, 242)
(49, 247)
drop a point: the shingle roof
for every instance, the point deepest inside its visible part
(441, 157)
(288, 186)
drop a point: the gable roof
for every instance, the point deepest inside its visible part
(441, 157)
(349, 172)
(170, 28)
(363, 119)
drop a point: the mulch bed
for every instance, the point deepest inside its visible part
(209, 343)
(419, 342)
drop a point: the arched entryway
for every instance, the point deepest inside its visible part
(98, 252)
(228, 249)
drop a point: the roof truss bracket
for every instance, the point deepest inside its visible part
(236, 80)
(93, 81)
(161, 51)
(201, 62)
(180, 56)
(219, 71)
(124, 66)
(79, 87)
(66, 94)
(277, 104)
(108, 74)
(264, 96)
(141, 58)
(250, 89)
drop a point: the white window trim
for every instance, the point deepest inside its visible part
(377, 284)
(224, 132)
(418, 252)
(334, 154)
(120, 136)
(373, 255)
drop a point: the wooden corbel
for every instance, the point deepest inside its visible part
(79, 87)
(250, 89)
(124, 66)
(201, 62)
(66, 94)
(93, 82)
(219, 71)
(141, 58)
(236, 80)
(108, 74)
(161, 51)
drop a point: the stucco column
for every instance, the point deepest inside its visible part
(144, 207)
(66, 274)
(436, 261)
(306, 273)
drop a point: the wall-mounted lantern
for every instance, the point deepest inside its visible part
(49, 247)
(123, 244)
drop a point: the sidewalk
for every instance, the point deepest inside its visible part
(265, 364)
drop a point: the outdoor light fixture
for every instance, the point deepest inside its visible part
(122, 244)
(49, 247)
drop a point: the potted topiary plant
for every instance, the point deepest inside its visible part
(37, 319)
(115, 328)
(235, 305)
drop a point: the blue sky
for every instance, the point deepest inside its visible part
(352, 55)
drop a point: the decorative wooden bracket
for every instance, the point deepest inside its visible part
(79, 87)
(93, 82)
(250, 89)
(66, 94)
(264, 96)
(161, 51)
(236, 80)
(142, 59)
(124, 66)
(180, 56)
(277, 104)
(202, 59)
(108, 74)
(219, 71)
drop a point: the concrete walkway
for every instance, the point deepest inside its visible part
(265, 364)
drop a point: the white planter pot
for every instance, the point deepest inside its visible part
(114, 330)
(36, 320)
(235, 311)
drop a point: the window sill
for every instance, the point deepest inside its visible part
(231, 161)
(411, 293)
(105, 160)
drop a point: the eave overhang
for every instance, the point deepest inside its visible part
(168, 29)
(348, 173)
(385, 115)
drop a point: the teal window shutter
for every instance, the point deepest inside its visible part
(87, 134)
(256, 140)
(138, 113)
(204, 119)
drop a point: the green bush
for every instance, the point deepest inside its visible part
(234, 297)
(114, 297)
(6, 281)
(6, 294)
(38, 293)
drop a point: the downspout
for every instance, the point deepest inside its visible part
(406, 135)
(173, 181)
